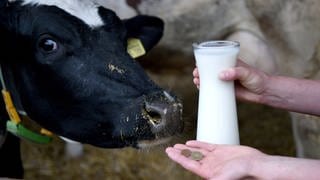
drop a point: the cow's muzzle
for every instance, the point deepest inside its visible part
(164, 114)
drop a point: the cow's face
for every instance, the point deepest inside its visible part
(70, 65)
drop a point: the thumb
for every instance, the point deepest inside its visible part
(236, 73)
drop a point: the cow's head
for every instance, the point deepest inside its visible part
(68, 61)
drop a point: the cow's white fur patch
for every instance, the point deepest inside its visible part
(86, 10)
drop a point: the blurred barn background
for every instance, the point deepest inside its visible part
(280, 37)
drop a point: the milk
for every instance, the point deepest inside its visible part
(217, 113)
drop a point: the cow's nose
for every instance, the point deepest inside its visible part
(164, 113)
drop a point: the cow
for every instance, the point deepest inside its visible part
(67, 67)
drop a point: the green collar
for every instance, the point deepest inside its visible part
(14, 125)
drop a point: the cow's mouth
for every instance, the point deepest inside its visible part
(151, 143)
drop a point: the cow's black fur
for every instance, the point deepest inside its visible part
(79, 82)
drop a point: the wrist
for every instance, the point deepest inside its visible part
(275, 94)
(255, 166)
(263, 167)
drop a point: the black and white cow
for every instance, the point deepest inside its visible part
(66, 62)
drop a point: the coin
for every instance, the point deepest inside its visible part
(196, 155)
(186, 152)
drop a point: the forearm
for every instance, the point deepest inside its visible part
(299, 95)
(279, 167)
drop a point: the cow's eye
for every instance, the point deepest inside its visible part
(48, 45)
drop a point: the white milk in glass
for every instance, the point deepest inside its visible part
(217, 112)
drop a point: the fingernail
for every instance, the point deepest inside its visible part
(223, 75)
(226, 74)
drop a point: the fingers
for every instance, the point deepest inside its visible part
(239, 72)
(236, 73)
(195, 72)
(228, 74)
(199, 167)
(196, 79)
(201, 145)
(182, 146)
(175, 155)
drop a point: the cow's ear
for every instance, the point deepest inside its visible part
(147, 29)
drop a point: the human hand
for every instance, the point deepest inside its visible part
(219, 162)
(251, 83)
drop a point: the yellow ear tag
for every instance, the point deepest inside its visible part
(135, 48)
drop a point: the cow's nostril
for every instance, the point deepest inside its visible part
(154, 117)
(155, 113)
(164, 114)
